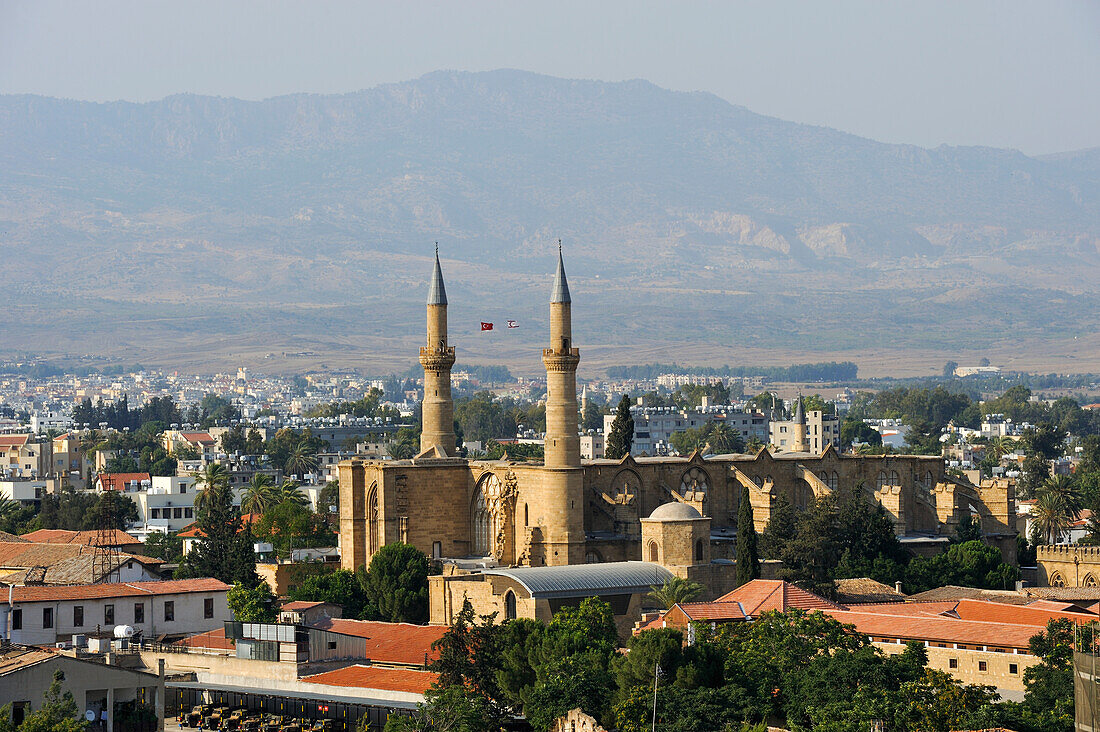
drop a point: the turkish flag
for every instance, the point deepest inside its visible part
(486, 326)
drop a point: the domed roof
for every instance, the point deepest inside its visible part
(674, 511)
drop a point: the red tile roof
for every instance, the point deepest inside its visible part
(85, 538)
(759, 596)
(682, 613)
(204, 438)
(192, 531)
(375, 677)
(932, 607)
(300, 605)
(119, 481)
(996, 612)
(10, 441)
(937, 629)
(389, 642)
(119, 589)
(211, 639)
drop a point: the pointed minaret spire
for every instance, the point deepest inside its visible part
(561, 286)
(437, 293)
(799, 411)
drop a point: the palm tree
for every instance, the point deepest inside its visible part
(400, 450)
(288, 490)
(723, 439)
(259, 495)
(675, 590)
(210, 478)
(1049, 517)
(301, 461)
(1065, 487)
(1002, 446)
(8, 507)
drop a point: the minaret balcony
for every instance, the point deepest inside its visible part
(561, 359)
(437, 358)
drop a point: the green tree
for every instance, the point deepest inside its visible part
(397, 584)
(302, 460)
(1049, 684)
(675, 590)
(164, 545)
(748, 559)
(213, 477)
(225, 549)
(856, 430)
(621, 437)
(289, 526)
(592, 418)
(970, 564)
(469, 657)
(252, 604)
(780, 529)
(58, 713)
(811, 556)
(259, 494)
(342, 587)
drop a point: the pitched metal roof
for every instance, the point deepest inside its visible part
(560, 292)
(437, 293)
(586, 580)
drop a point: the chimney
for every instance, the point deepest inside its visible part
(897, 587)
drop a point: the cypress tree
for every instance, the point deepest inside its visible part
(748, 560)
(621, 436)
(225, 551)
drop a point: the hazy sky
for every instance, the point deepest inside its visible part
(1001, 73)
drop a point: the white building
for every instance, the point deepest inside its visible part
(42, 421)
(167, 504)
(42, 615)
(655, 426)
(24, 491)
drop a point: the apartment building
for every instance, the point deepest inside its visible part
(655, 426)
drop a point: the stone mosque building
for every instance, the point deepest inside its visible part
(678, 514)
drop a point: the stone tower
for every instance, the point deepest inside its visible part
(437, 357)
(563, 479)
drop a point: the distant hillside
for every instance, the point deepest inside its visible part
(213, 228)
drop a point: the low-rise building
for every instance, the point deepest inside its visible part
(655, 426)
(40, 615)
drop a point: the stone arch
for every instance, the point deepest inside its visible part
(373, 522)
(484, 520)
(694, 484)
(654, 552)
(883, 480)
(509, 605)
(895, 479)
(592, 557)
(833, 481)
(698, 550)
(1057, 580)
(1089, 580)
(626, 485)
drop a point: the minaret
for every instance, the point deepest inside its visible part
(563, 447)
(800, 438)
(561, 507)
(437, 410)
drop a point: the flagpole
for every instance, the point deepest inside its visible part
(656, 668)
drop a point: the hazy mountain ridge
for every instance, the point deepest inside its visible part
(333, 200)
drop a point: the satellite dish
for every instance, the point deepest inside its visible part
(89, 715)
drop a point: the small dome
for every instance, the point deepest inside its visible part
(674, 511)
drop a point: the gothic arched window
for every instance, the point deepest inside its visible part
(509, 605)
(693, 484)
(372, 520)
(484, 522)
(654, 554)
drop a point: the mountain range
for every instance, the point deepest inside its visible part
(198, 232)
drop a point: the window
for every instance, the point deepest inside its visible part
(188, 513)
(952, 663)
(653, 553)
(78, 616)
(510, 605)
(17, 619)
(332, 645)
(981, 665)
(437, 549)
(156, 513)
(169, 611)
(108, 614)
(47, 617)
(139, 612)
(698, 550)
(177, 513)
(208, 607)
(1013, 668)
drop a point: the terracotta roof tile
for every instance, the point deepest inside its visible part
(87, 538)
(389, 642)
(193, 531)
(9, 441)
(300, 605)
(707, 611)
(864, 589)
(123, 589)
(211, 639)
(120, 481)
(937, 629)
(996, 612)
(759, 596)
(375, 677)
(935, 607)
